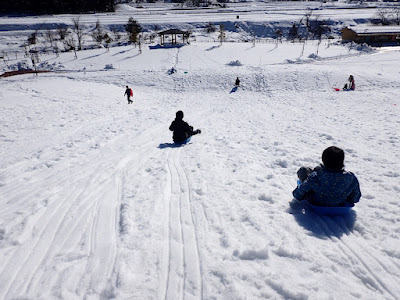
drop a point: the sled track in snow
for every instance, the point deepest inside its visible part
(34, 259)
(74, 240)
(183, 279)
(380, 277)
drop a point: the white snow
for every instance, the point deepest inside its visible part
(376, 29)
(95, 203)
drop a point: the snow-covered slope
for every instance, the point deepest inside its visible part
(95, 203)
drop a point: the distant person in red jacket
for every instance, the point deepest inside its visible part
(129, 94)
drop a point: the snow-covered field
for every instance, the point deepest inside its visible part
(95, 203)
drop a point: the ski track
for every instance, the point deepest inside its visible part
(52, 227)
(76, 225)
(380, 278)
(183, 278)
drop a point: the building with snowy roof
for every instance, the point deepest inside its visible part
(372, 35)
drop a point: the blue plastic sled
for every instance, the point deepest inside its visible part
(184, 142)
(331, 210)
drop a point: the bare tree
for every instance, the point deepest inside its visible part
(383, 16)
(396, 15)
(254, 36)
(293, 33)
(108, 40)
(278, 36)
(50, 36)
(98, 34)
(56, 50)
(152, 36)
(116, 34)
(307, 17)
(210, 27)
(70, 45)
(62, 32)
(187, 35)
(78, 29)
(32, 39)
(222, 34)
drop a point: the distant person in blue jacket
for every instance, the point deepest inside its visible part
(328, 184)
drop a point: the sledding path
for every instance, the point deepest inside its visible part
(374, 270)
(184, 279)
(78, 222)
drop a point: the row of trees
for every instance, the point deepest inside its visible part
(309, 27)
(389, 16)
(55, 6)
(63, 38)
(72, 38)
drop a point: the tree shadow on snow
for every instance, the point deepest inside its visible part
(93, 56)
(213, 47)
(322, 226)
(129, 57)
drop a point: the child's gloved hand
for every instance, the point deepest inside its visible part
(198, 131)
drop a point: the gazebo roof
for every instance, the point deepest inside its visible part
(172, 31)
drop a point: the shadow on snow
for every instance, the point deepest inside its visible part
(233, 90)
(322, 226)
(169, 145)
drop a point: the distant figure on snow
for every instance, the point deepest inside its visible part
(129, 94)
(351, 85)
(237, 81)
(182, 130)
(328, 184)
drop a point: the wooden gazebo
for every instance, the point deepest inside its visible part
(173, 33)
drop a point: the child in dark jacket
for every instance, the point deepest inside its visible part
(328, 184)
(182, 130)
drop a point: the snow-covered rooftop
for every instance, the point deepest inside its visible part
(375, 29)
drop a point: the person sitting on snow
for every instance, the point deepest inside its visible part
(237, 81)
(351, 86)
(182, 130)
(328, 184)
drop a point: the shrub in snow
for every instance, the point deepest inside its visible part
(313, 56)
(235, 63)
(51, 67)
(364, 48)
(20, 66)
(360, 47)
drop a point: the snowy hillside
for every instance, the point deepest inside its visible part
(96, 203)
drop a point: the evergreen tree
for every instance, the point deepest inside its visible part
(133, 29)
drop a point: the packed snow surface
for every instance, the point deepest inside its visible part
(97, 203)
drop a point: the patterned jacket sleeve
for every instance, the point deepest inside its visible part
(356, 193)
(300, 192)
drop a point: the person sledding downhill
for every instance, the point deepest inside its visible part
(182, 132)
(328, 185)
(237, 82)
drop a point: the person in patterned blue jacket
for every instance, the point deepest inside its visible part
(328, 184)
